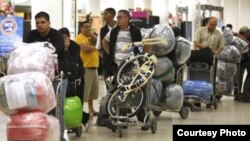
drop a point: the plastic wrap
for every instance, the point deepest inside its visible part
(240, 44)
(172, 97)
(228, 36)
(145, 32)
(202, 89)
(156, 91)
(164, 70)
(230, 54)
(182, 51)
(34, 126)
(32, 57)
(226, 70)
(163, 31)
(73, 112)
(224, 87)
(32, 91)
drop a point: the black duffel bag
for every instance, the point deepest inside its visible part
(202, 55)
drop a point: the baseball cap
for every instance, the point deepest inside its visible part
(65, 31)
(244, 29)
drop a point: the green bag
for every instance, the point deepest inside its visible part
(73, 112)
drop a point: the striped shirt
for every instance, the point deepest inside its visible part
(213, 39)
(123, 38)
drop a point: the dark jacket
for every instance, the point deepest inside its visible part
(74, 67)
(103, 32)
(135, 36)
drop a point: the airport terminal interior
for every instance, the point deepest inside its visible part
(188, 15)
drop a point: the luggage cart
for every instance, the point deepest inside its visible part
(184, 110)
(130, 91)
(57, 85)
(202, 71)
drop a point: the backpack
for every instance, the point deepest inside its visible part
(103, 115)
(245, 96)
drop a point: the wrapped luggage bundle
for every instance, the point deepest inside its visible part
(156, 91)
(164, 70)
(25, 92)
(226, 70)
(33, 126)
(163, 31)
(33, 57)
(228, 36)
(224, 87)
(182, 51)
(199, 88)
(240, 44)
(73, 112)
(145, 32)
(230, 54)
(172, 97)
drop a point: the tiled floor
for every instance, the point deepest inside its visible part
(228, 112)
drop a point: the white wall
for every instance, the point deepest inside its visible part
(116, 4)
(52, 7)
(160, 8)
(236, 13)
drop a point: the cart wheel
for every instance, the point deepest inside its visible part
(78, 131)
(146, 123)
(192, 107)
(216, 103)
(184, 112)
(120, 131)
(153, 125)
(113, 128)
(157, 113)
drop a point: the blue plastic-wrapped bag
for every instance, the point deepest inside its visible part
(199, 88)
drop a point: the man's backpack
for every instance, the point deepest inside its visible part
(246, 91)
(103, 115)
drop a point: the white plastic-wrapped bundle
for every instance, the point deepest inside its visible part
(228, 36)
(230, 54)
(164, 70)
(145, 32)
(224, 87)
(156, 91)
(31, 91)
(33, 126)
(163, 31)
(182, 51)
(240, 44)
(30, 57)
(226, 70)
(172, 97)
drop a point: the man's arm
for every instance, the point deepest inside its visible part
(87, 48)
(93, 38)
(220, 47)
(58, 43)
(197, 40)
(105, 44)
(99, 46)
(199, 45)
